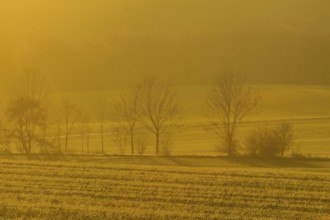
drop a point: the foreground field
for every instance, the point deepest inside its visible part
(85, 190)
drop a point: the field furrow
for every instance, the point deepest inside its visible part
(75, 191)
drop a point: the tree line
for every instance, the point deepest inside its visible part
(152, 107)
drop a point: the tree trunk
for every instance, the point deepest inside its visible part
(59, 142)
(88, 141)
(102, 138)
(43, 145)
(29, 146)
(230, 142)
(82, 142)
(22, 142)
(157, 142)
(132, 143)
(66, 142)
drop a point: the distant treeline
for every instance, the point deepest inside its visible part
(150, 110)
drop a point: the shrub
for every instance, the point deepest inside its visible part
(270, 141)
(167, 144)
(4, 139)
(120, 139)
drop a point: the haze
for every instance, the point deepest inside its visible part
(102, 44)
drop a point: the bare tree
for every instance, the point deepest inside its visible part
(158, 107)
(72, 115)
(120, 139)
(230, 101)
(102, 110)
(87, 133)
(4, 138)
(27, 109)
(126, 113)
(84, 131)
(44, 144)
(58, 130)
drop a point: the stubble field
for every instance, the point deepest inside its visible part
(218, 188)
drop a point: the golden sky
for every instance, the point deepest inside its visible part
(101, 44)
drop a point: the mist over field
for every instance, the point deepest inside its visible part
(165, 109)
(82, 45)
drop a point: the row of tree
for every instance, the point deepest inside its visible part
(152, 105)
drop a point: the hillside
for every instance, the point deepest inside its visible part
(307, 107)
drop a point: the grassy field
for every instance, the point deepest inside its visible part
(99, 187)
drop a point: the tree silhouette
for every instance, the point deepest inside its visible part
(230, 101)
(72, 115)
(27, 109)
(126, 112)
(158, 107)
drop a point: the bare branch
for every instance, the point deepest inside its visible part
(159, 107)
(230, 101)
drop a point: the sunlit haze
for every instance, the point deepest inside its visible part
(165, 109)
(103, 44)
